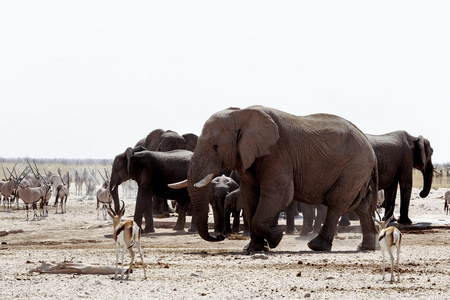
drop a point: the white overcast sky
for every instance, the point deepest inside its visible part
(86, 79)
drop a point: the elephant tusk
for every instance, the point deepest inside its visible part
(178, 185)
(112, 190)
(205, 181)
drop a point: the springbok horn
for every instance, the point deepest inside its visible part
(111, 211)
(123, 208)
(178, 185)
(205, 181)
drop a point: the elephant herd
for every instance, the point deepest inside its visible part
(263, 160)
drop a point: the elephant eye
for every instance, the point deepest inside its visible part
(215, 147)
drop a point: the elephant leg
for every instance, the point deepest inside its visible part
(226, 223)
(181, 220)
(405, 197)
(144, 208)
(265, 219)
(236, 221)
(148, 215)
(290, 218)
(250, 201)
(307, 212)
(157, 205)
(321, 211)
(389, 195)
(324, 240)
(345, 220)
(368, 228)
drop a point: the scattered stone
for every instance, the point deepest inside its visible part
(259, 256)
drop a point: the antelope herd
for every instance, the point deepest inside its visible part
(35, 189)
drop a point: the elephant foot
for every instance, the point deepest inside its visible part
(276, 234)
(148, 230)
(178, 227)
(235, 230)
(256, 247)
(367, 247)
(192, 230)
(319, 244)
(404, 221)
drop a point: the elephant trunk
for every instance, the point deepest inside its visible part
(200, 206)
(114, 183)
(198, 193)
(115, 196)
(427, 179)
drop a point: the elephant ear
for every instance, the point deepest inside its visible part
(128, 154)
(257, 132)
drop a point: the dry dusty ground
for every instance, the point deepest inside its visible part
(183, 266)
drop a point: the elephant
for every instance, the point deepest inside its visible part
(220, 187)
(152, 171)
(162, 140)
(234, 204)
(397, 154)
(281, 157)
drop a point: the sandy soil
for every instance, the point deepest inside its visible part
(183, 266)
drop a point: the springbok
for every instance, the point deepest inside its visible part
(104, 196)
(389, 238)
(126, 235)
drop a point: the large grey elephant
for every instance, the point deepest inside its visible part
(397, 154)
(281, 157)
(163, 141)
(152, 171)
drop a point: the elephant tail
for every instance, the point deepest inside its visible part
(374, 189)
